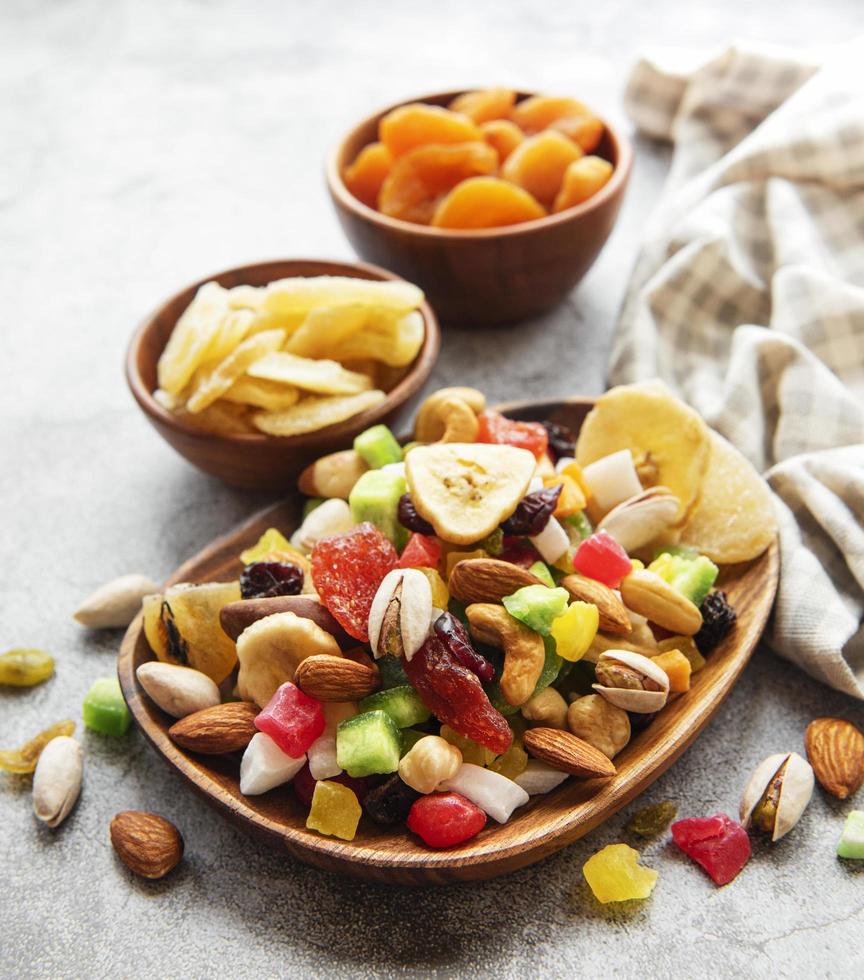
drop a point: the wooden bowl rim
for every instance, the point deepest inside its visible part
(410, 384)
(622, 146)
(496, 849)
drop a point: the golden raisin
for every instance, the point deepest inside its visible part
(486, 202)
(504, 136)
(414, 125)
(420, 179)
(24, 760)
(485, 104)
(582, 179)
(540, 111)
(366, 174)
(25, 668)
(539, 163)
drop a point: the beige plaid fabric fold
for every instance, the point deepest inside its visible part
(748, 300)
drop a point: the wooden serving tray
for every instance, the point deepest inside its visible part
(545, 825)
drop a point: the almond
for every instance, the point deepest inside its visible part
(214, 731)
(336, 678)
(613, 614)
(149, 845)
(488, 580)
(835, 748)
(564, 751)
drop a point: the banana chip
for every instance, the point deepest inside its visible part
(216, 380)
(315, 413)
(322, 377)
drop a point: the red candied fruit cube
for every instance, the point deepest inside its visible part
(292, 719)
(495, 427)
(303, 785)
(421, 552)
(445, 819)
(347, 570)
(601, 557)
(720, 845)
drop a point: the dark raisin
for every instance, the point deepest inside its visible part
(409, 518)
(455, 637)
(533, 512)
(389, 803)
(640, 720)
(718, 617)
(265, 579)
(562, 442)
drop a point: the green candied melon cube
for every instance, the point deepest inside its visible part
(392, 671)
(104, 709)
(537, 606)
(375, 498)
(410, 737)
(580, 524)
(378, 447)
(541, 570)
(692, 577)
(852, 840)
(551, 666)
(403, 704)
(367, 744)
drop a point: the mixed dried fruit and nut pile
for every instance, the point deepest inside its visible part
(291, 357)
(458, 625)
(485, 161)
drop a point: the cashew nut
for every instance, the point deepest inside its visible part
(460, 422)
(546, 708)
(333, 475)
(430, 426)
(270, 649)
(524, 652)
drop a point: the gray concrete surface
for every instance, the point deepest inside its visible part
(145, 145)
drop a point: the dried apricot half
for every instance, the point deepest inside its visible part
(503, 135)
(586, 130)
(419, 179)
(582, 179)
(540, 111)
(486, 202)
(414, 125)
(485, 104)
(366, 174)
(538, 164)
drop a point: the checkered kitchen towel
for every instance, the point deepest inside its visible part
(748, 299)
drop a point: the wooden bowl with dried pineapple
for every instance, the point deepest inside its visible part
(254, 372)
(458, 656)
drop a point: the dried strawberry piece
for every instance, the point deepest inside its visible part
(455, 637)
(717, 843)
(421, 552)
(455, 696)
(445, 819)
(496, 428)
(347, 570)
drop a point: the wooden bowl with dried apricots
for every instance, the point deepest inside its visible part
(495, 202)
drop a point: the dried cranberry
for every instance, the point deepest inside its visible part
(265, 579)
(533, 512)
(409, 518)
(562, 442)
(455, 637)
(519, 552)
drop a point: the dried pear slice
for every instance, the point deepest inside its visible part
(465, 490)
(658, 429)
(733, 519)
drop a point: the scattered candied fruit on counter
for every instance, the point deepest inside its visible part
(22, 667)
(485, 161)
(719, 845)
(24, 760)
(104, 708)
(615, 875)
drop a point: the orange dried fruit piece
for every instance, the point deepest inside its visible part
(503, 136)
(582, 179)
(410, 126)
(539, 163)
(366, 174)
(484, 104)
(486, 202)
(586, 130)
(540, 111)
(419, 179)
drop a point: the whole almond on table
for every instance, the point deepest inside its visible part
(835, 748)
(336, 678)
(149, 845)
(564, 751)
(217, 730)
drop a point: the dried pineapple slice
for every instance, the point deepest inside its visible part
(663, 434)
(319, 376)
(269, 395)
(323, 329)
(394, 342)
(215, 381)
(301, 295)
(313, 413)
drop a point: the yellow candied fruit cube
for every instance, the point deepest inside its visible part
(614, 874)
(685, 645)
(512, 763)
(335, 810)
(572, 499)
(638, 566)
(575, 629)
(473, 752)
(574, 471)
(440, 592)
(677, 669)
(456, 556)
(270, 540)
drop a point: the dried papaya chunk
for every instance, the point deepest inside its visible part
(486, 202)
(410, 126)
(582, 179)
(586, 130)
(538, 164)
(540, 111)
(485, 104)
(366, 174)
(503, 136)
(419, 179)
